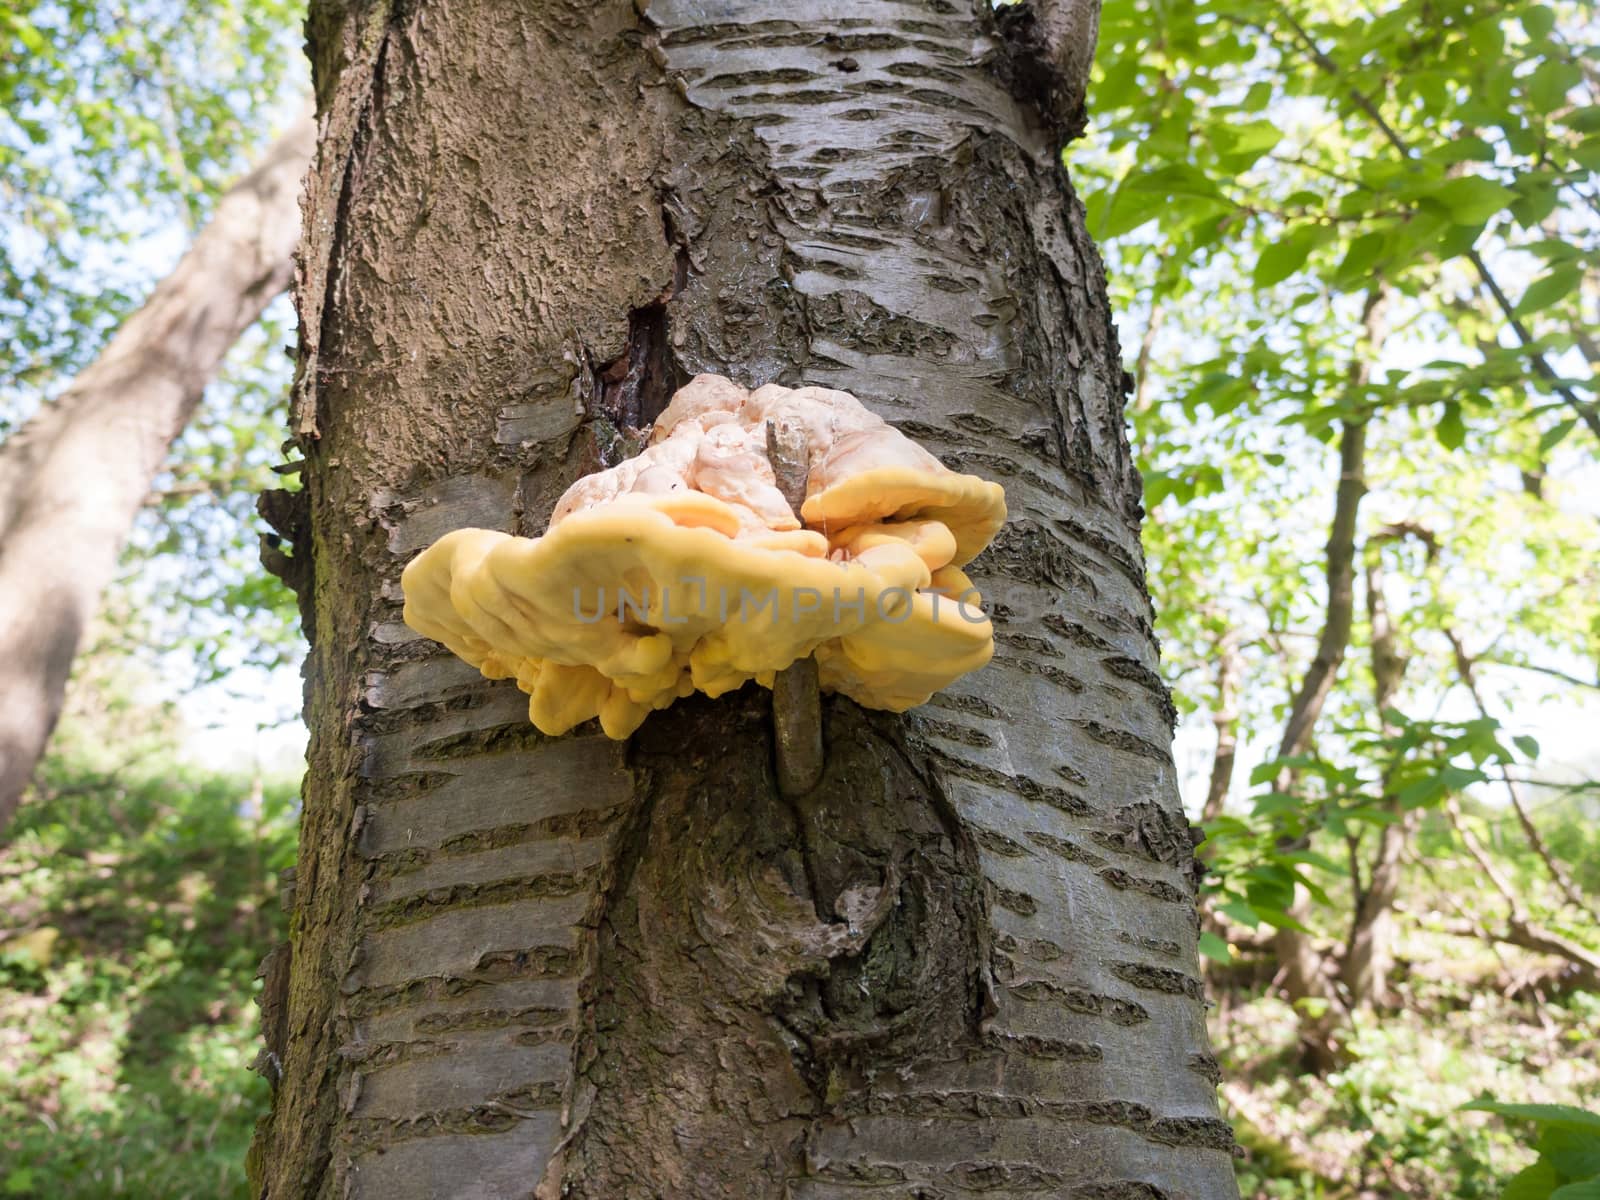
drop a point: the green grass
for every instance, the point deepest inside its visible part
(136, 906)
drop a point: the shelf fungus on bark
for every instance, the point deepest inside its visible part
(686, 569)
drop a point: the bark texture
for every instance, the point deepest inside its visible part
(74, 477)
(963, 964)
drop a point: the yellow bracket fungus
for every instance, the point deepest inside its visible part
(685, 569)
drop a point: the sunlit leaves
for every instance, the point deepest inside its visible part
(1568, 1143)
(1467, 199)
(1287, 255)
(1260, 171)
(1550, 289)
(118, 126)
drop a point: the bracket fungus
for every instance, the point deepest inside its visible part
(685, 568)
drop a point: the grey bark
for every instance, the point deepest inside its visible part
(75, 476)
(963, 964)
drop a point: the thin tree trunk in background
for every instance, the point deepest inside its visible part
(1226, 720)
(1303, 967)
(1369, 953)
(74, 477)
(1340, 556)
(965, 963)
(1301, 963)
(1334, 639)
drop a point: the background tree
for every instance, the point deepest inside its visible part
(74, 477)
(121, 128)
(965, 961)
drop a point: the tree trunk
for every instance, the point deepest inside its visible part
(1303, 967)
(74, 477)
(965, 963)
(1225, 717)
(1369, 950)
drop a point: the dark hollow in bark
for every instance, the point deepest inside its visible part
(964, 963)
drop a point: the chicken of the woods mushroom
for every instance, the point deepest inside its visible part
(684, 569)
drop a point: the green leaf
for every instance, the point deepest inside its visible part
(1538, 196)
(1462, 149)
(1275, 802)
(1588, 1189)
(1451, 429)
(1257, 98)
(1471, 199)
(1362, 256)
(1286, 256)
(1550, 289)
(1534, 1182)
(1320, 861)
(1238, 910)
(1587, 154)
(1424, 790)
(1214, 947)
(1576, 1155)
(1127, 209)
(1561, 1116)
(1553, 437)
(1264, 771)
(1239, 146)
(1279, 919)
(1177, 179)
(1548, 86)
(1528, 745)
(1538, 21)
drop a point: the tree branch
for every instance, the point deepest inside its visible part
(1590, 413)
(1051, 45)
(1341, 553)
(1466, 669)
(1536, 938)
(1226, 719)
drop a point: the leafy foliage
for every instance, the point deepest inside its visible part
(139, 897)
(1471, 1019)
(1387, 218)
(1568, 1143)
(122, 124)
(1359, 245)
